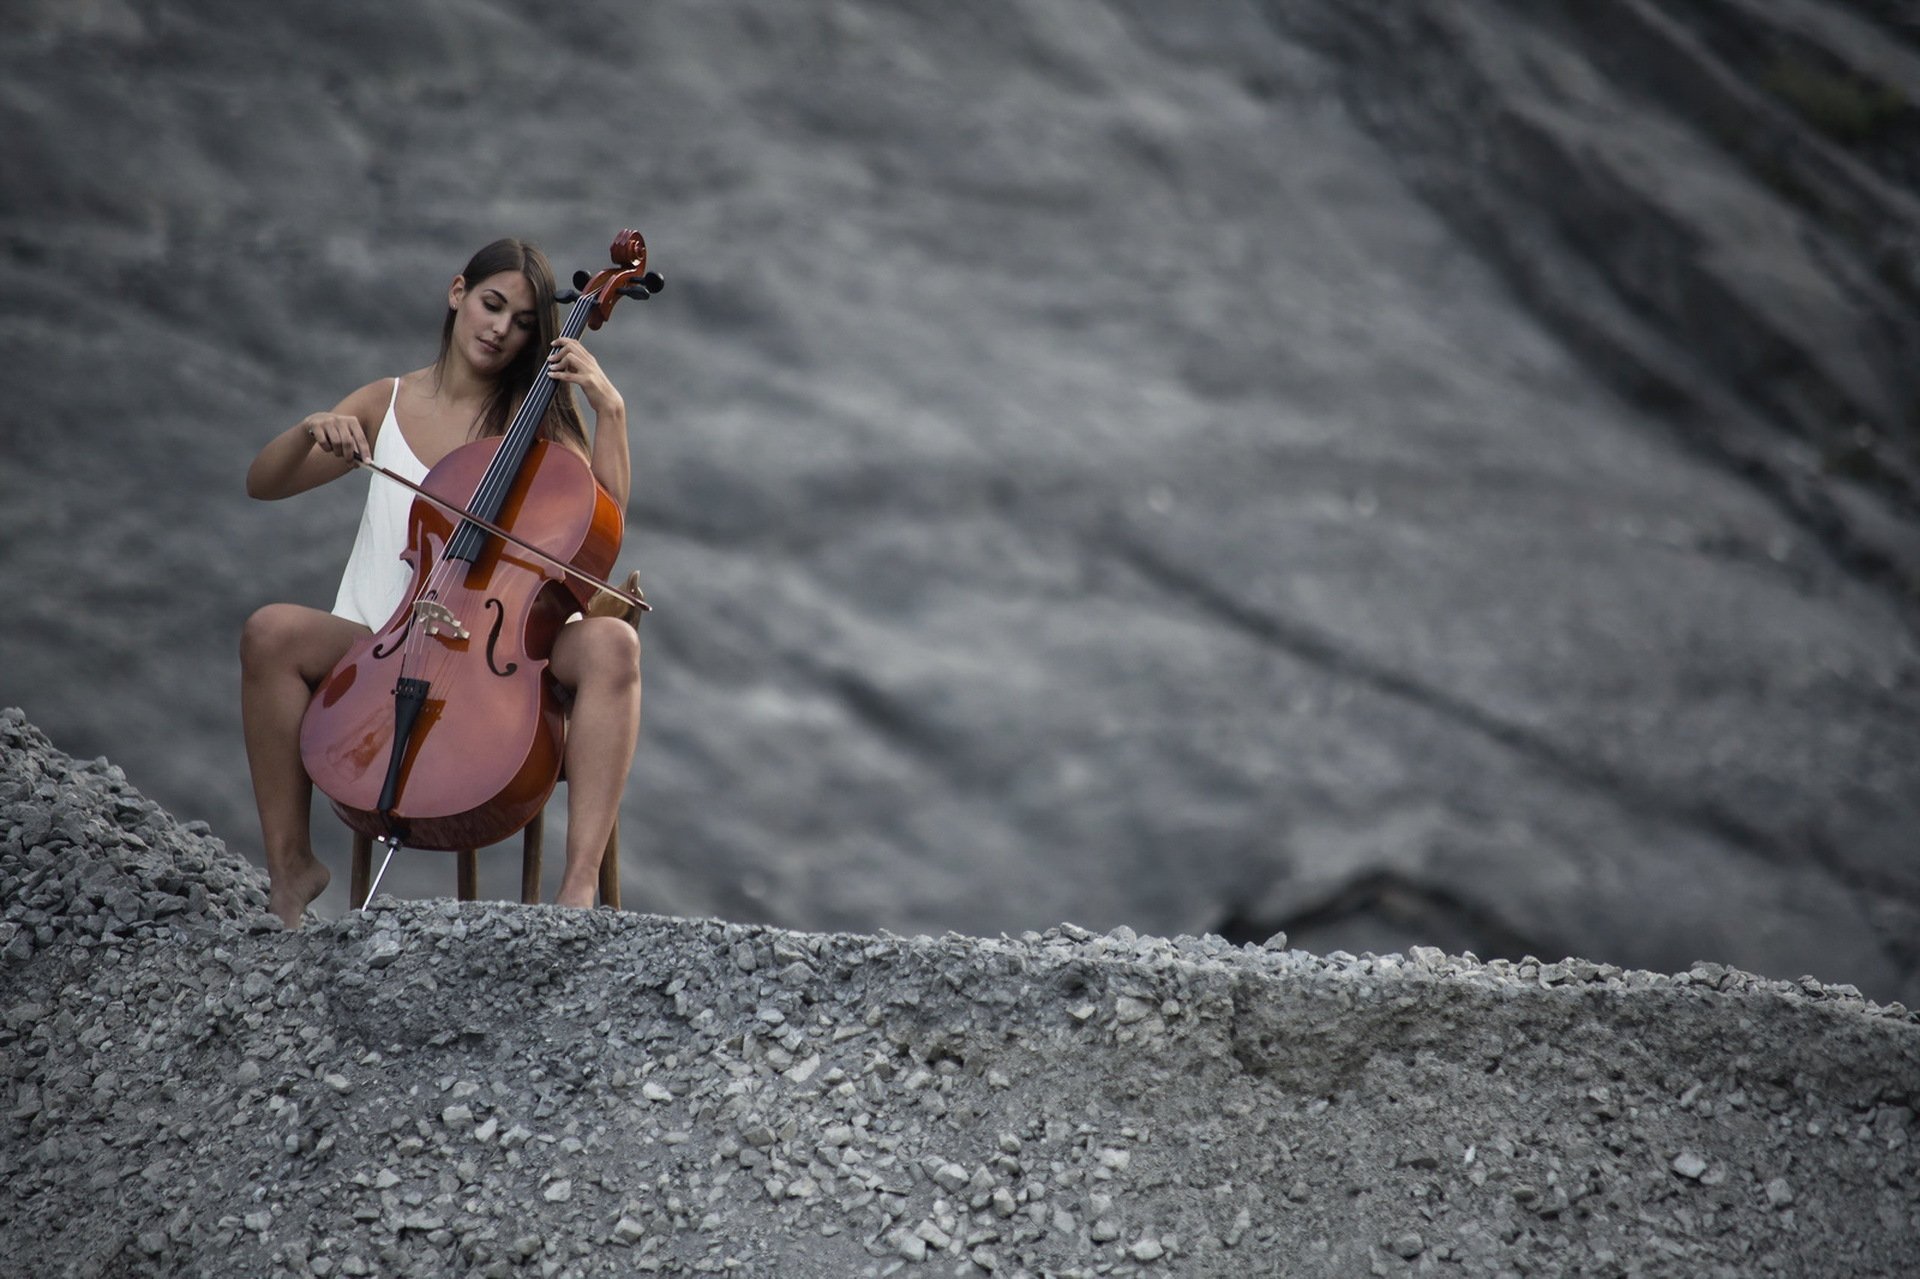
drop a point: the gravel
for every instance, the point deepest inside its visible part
(429, 1087)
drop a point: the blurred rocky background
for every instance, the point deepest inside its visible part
(1400, 474)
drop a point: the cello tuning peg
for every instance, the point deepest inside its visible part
(570, 295)
(645, 287)
(580, 279)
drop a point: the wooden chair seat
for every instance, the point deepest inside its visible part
(533, 838)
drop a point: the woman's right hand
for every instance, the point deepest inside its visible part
(320, 447)
(339, 434)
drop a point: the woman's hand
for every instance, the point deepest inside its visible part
(320, 447)
(339, 434)
(568, 361)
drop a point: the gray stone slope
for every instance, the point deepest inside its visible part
(435, 1088)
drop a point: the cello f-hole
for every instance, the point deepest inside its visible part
(493, 638)
(392, 646)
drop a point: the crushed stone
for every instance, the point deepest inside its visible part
(500, 1090)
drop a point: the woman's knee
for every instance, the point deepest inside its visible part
(271, 635)
(618, 647)
(606, 650)
(291, 637)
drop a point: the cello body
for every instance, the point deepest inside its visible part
(482, 752)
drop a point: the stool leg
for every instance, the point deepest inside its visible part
(610, 869)
(531, 843)
(362, 870)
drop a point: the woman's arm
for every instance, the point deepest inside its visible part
(612, 465)
(321, 447)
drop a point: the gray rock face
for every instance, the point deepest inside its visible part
(431, 1088)
(1390, 474)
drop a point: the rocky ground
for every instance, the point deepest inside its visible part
(436, 1088)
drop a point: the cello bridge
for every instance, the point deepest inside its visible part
(435, 617)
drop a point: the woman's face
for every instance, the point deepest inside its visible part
(493, 320)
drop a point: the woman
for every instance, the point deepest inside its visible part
(500, 324)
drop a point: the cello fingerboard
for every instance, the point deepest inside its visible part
(470, 540)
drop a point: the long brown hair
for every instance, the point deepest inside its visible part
(562, 420)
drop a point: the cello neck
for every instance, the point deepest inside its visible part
(470, 539)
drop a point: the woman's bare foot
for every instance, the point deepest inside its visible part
(571, 894)
(291, 892)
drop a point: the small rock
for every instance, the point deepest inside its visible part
(951, 1177)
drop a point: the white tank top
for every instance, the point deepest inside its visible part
(376, 579)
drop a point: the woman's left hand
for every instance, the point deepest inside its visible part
(569, 361)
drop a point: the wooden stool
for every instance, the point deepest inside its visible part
(467, 867)
(533, 838)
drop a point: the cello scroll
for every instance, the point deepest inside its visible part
(629, 253)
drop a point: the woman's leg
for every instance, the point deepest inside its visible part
(285, 651)
(598, 658)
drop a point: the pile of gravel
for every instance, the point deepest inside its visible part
(436, 1088)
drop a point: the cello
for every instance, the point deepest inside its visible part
(443, 729)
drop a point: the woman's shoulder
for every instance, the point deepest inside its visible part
(419, 382)
(370, 402)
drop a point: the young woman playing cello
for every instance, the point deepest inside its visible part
(500, 326)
